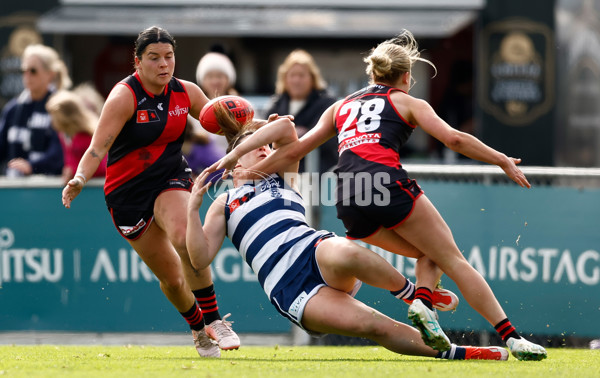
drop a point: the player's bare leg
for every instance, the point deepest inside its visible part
(170, 213)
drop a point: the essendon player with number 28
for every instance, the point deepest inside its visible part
(371, 125)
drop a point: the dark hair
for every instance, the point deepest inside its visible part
(153, 34)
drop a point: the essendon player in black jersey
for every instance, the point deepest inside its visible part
(148, 181)
(370, 133)
(147, 151)
(382, 206)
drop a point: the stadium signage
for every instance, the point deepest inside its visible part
(56, 264)
(505, 263)
(548, 265)
(42, 264)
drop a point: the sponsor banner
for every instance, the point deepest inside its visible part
(69, 270)
(538, 249)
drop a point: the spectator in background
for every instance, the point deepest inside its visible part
(90, 96)
(216, 76)
(301, 91)
(28, 143)
(75, 123)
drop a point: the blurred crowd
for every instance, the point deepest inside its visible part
(46, 129)
(49, 125)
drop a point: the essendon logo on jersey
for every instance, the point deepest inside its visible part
(145, 116)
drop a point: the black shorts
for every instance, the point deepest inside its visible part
(133, 222)
(365, 213)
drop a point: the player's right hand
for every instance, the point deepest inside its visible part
(227, 162)
(199, 189)
(71, 190)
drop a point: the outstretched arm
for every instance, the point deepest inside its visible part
(203, 242)
(119, 107)
(464, 143)
(294, 152)
(280, 133)
(289, 150)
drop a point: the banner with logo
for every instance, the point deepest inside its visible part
(538, 249)
(517, 74)
(69, 270)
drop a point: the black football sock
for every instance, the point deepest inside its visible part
(424, 294)
(194, 317)
(455, 353)
(506, 330)
(207, 299)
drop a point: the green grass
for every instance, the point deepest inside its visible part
(284, 361)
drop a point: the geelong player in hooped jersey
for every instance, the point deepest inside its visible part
(148, 181)
(381, 205)
(310, 276)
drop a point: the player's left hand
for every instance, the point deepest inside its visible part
(512, 171)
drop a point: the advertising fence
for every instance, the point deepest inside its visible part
(69, 270)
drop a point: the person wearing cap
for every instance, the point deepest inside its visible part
(215, 74)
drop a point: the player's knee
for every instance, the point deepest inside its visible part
(342, 254)
(457, 267)
(178, 239)
(173, 284)
(353, 254)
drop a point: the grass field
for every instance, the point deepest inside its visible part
(274, 361)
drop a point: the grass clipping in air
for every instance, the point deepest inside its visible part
(275, 361)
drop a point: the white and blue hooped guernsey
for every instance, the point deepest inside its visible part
(267, 225)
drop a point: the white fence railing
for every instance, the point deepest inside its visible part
(553, 176)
